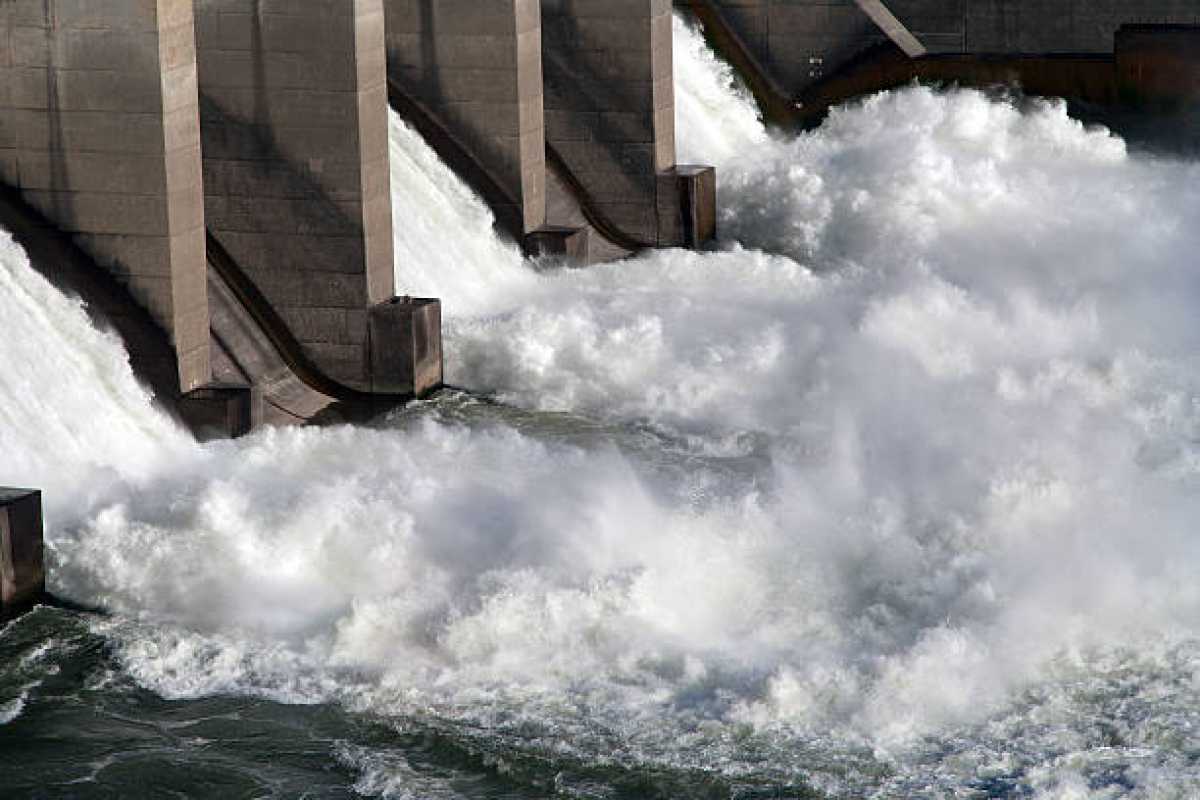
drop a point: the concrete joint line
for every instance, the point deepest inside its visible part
(893, 27)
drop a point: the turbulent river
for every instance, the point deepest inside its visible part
(892, 493)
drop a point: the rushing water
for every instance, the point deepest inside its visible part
(892, 493)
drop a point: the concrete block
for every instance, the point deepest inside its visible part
(692, 191)
(22, 568)
(556, 241)
(220, 411)
(405, 344)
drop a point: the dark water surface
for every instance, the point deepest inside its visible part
(86, 730)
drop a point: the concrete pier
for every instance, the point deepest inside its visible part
(293, 103)
(610, 108)
(99, 132)
(22, 569)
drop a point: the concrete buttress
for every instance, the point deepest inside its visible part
(293, 104)
(610, 111)
(99, 132)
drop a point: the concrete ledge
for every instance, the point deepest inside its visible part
(405, 343)
(220, 411)
(22, 569)
(558, 241)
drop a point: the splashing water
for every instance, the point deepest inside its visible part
(443, 233)
(892, 493)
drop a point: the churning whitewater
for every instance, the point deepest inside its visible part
(892, 493)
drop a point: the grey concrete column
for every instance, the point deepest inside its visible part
(610, 104)
(477, 66)
(22, 572)
(99, 132)
(293, 102)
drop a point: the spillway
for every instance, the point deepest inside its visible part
(891, 493)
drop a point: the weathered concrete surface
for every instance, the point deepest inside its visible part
(477, 66)
(99, 132)
(610, 105)
(22, 572)
(296, 178)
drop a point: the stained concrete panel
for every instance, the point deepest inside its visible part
(99, 131)
(295, 156)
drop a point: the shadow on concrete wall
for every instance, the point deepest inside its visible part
(459, 156)
(60, 179)
(577, 83)
(430, 80)
(253, 147)
(107, 302)
(421, 100)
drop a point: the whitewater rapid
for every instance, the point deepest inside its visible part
(903, 473)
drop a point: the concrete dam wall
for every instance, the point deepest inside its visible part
(212, 175)
(567, 108)
(801, 56)
(221, 168)
(99, 132)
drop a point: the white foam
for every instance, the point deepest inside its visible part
(12, 709)
(72, 421)
(957, 336)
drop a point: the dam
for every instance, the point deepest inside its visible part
(888, 490)
(211, 176)
(224, 165)
(800, 57)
